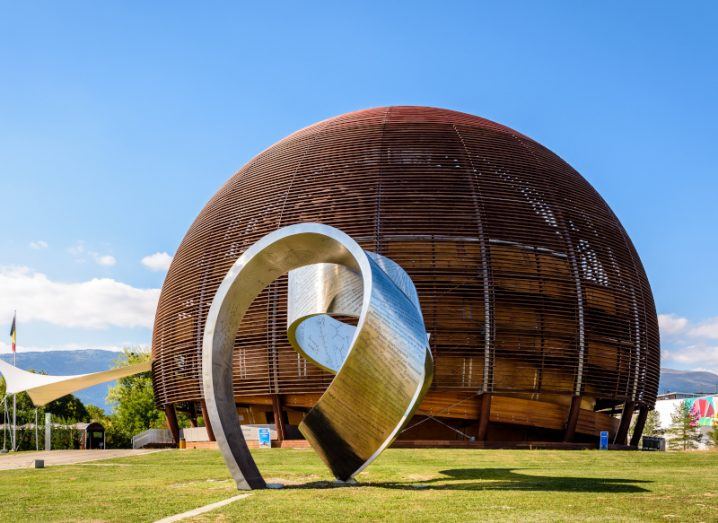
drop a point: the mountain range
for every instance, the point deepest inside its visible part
(691, 381)
(64, 362)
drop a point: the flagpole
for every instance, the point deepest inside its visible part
(14, 396)
(4, 424)
(14, 422)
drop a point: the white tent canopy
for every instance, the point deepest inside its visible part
(43, 388)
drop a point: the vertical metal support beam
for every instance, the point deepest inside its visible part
(489, 327)
(172, 424)
(14, 418)
(484, 416)
(379, 179)
(278, 417)
(622, 434)
(207, 423)
(637, 341)
(572, 419)
(573, 263)
(640, 425)
(48, 431)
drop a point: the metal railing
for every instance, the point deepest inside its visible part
(152, 438)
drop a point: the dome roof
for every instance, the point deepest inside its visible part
(528, 282)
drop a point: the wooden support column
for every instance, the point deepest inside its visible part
(572, 419)
(484, 416)
(278, 417)
(640, 425)
(622, 434)
(172, 424)
(192, 415)
(207, 423)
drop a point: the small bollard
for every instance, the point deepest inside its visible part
(39, 464)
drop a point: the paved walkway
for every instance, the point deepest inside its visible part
(21, 460)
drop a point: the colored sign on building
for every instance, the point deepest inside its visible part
(603, 445)
(264, 436)
(705, 409)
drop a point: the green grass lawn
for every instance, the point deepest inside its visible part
(406, 485)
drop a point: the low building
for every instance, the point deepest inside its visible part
(704, 408)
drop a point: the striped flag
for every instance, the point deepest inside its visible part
(13, 334)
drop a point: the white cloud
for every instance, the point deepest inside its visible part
(689, 345)
(695, 357)
(159, 261)
(671, 324)
(77, 250)
(707, 329)
(106, 260)
(96, 303)
(39, 244)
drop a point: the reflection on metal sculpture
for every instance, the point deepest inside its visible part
(383, 366)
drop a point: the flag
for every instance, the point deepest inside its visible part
(13, 334)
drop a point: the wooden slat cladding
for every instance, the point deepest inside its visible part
(528, 282)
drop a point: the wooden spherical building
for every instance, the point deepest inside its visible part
(542, 322)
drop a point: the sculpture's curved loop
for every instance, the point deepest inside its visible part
(380, 377)
(318, 291)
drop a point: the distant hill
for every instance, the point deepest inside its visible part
(688, 381)
(65, 362)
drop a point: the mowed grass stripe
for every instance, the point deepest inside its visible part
(403, 484)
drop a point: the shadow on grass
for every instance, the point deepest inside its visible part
(497, 479)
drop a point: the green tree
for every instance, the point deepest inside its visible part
(683, 432)
(69, 409)
(133, 401)
(96, 413)
(24, 406)
(713, 437)
(653, 424)
(66, 410)
(115, 437)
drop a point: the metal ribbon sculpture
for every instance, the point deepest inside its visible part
(382, 367)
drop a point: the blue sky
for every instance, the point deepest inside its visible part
(109, 111)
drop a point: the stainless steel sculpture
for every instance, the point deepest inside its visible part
(383, 366)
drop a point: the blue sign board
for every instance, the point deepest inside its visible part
(265, 438)
(604, 440)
